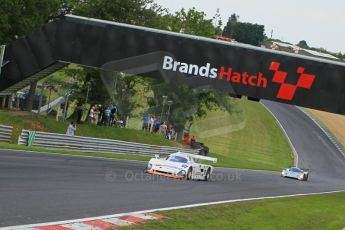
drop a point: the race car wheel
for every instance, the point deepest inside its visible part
(189, 174)
(208, 175)
(305, 177)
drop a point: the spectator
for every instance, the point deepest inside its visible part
(71, 129)
(157, 125)
(100, 114)
(106, 115)
(92, 115)
(146, 121)
(59, 113)
(173, 134)
(113, 112)
(120, 123)
(96, 114)
(192, 141)
(186, 139)
(168, 136)
(170, 133)
(151, 123)
(80, 110)
(163, 130)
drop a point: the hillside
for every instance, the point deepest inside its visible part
(23, 120)
(248, 138)
(334, 123)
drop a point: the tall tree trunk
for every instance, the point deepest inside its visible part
(30, 99)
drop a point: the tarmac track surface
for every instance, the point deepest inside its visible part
(36, 187)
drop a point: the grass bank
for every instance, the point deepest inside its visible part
(306, 212)
(75, 153)
(23, 120)
(334, 123)
(249, 137)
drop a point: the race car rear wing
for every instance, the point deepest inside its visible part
(305, 170)
(214, 160)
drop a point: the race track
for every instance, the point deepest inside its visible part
(37, 188)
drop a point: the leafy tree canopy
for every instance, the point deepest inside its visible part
(192, 22)
(21, 17)
(244, 32)
(303, 44)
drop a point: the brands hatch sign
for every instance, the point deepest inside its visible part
(229, 74)
(180, 59)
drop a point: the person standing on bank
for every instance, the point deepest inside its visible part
(71, 129)
(80, 110)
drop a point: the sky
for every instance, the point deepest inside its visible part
(321, 23)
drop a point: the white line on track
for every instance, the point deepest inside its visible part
(284, 131)
(177, 207)
(163, 209)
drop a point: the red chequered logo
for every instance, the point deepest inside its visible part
(287, 91)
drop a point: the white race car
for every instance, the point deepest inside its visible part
(295, 172)
(181, 165)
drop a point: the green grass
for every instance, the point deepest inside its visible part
(20, 120)
(306, 212)
(76, 153)
(249, 138)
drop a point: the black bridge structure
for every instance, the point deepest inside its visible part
(234, 68)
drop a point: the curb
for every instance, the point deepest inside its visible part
(125, 219)
(96, 223)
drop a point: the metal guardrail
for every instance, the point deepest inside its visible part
(5, 133)
(90, 144)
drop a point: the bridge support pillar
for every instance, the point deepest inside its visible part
(10, 101)
(3, 103)
(17, 102)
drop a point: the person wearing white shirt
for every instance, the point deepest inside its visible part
(71, 129)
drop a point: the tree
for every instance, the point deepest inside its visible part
(125, 91)
(87, 82)
(115, 88)
(136, 12)
(192, 22)
(20, 17)
(303, 44)
(243, 31)
(188, 103)
(229, 28)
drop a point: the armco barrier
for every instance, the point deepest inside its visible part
(90, 144)
(5, 133)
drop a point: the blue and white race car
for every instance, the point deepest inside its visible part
(181, 165)
(295, 172)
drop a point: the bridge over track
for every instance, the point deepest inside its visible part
(183, 59)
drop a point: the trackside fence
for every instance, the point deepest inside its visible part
(90, 144)
(5, 133)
